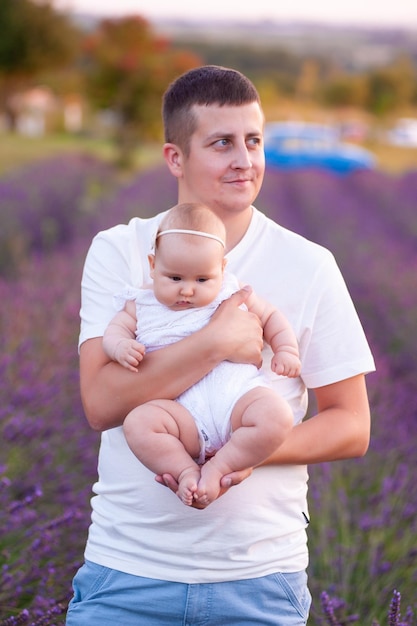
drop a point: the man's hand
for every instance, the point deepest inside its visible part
(240, 331)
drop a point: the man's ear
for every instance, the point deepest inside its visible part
(173, 158)
(151, 259)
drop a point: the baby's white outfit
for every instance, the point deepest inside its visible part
(211, 400)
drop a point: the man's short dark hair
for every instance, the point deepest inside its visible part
(202, 86)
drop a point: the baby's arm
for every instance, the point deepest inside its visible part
(280, 336)
(119, 341)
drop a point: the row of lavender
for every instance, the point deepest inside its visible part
(48, 204)
(363, 529)
(48, 455)
(362, 534)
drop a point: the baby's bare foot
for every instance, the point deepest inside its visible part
(187, 485)
(208, 487)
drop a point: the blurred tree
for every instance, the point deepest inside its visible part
(33, 37)
(261, 63)
(308, 80)
(392, 87)
(128, 69)
(345, 90)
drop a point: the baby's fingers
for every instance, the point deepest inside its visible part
(131, 364)
(289, 367)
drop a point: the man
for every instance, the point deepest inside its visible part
(149, 559)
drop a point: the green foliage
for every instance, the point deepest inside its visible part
(279, 66)
(129, 68)
(33, 36)
(382, 90)
(346, 90)
(392, 87)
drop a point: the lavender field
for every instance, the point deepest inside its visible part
(363, 531)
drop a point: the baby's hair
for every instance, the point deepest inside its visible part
(192, 216)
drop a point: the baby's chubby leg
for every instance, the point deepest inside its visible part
(260, 422)
(163, 436)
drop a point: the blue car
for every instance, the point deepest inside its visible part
(299, 145)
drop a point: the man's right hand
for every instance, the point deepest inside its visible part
(240, 331)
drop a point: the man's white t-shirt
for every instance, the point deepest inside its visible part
(258, 527)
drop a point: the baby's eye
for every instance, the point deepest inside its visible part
(202, 280)
(175, 278)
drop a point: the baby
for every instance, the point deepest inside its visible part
(231, 419)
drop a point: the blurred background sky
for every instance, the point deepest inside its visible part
(369, 12)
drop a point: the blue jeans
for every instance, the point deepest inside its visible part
(107, 597)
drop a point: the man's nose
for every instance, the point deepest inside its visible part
(242, 157)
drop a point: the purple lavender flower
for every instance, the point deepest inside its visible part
(328, 610)
(394, 614)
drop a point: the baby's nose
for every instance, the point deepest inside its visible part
(187, 288)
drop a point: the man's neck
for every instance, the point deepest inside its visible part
(236, 228)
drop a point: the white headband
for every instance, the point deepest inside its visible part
(183, 231)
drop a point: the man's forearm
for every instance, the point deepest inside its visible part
(340, 430)
(306, 444)
(109, 391)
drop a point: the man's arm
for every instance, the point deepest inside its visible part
(339, 430)
(109, 391)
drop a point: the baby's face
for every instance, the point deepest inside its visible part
(187, 270)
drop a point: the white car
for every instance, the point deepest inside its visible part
(404, 133)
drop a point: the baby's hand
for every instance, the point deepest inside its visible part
(129, 353)
(286, 364)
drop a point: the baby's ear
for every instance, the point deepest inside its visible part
(151, 259)
(224, 263)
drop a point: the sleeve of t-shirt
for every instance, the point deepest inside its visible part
(333, 345)
(106, 271)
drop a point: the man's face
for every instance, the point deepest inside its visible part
(225, 165)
